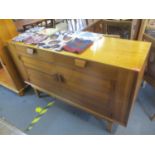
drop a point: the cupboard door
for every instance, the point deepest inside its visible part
(81, 89)
(90, 92)
(45, 81)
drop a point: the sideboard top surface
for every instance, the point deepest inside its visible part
(128, 54)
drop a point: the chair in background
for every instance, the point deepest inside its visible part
(48, 23)
(24, 24)
(97, 26)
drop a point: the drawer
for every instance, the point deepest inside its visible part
(39, 65)
(84, 66)
(35, 53)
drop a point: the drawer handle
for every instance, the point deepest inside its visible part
(30, 51)
(59, 78)
(80, 63)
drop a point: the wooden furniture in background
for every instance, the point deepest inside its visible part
(25, 24)
(146, 33)
(103, 80)
(142, 29)
(150, 69)
(113, 27)
(9, 76)
(128, 29)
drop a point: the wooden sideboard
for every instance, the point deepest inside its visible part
(103, 80)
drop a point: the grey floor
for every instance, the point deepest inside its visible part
(64, 119)
(8, 129)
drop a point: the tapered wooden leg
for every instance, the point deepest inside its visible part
(21, 93)
(37, 92)
(153, 117)
(109, 126)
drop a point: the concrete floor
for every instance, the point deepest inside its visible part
(8, 129)
(64, 119)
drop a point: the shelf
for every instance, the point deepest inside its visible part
(6, 81)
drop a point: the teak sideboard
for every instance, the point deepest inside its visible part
(103, 80)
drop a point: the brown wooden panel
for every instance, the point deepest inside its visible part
(37, 54)
(10, 78)
(91, 68)
(18, 63)
(106, 97)
(45, 81)
(123, 95)
(84, 93)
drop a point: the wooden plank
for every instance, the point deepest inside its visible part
(6, 81)
(8, 30)
(142, 29)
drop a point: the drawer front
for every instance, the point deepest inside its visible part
(39, 65)
(85, 66)
(35, 53)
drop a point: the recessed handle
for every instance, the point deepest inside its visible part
(30, 51)
(59, 78)
(80, 63)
